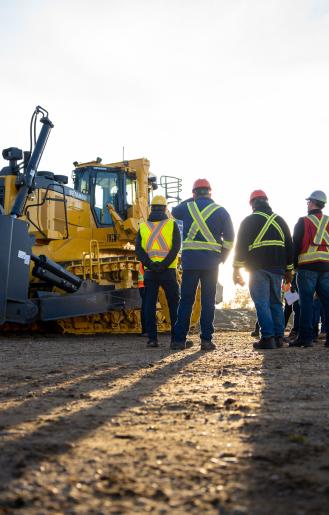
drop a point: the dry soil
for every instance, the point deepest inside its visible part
(102, 425)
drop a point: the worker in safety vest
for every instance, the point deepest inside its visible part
(264, 248)
(208, 236)
(311, 259)
(158, 242)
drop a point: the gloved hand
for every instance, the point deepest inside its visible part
(237, 277)
(288, 276)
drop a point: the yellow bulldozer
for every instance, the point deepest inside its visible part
(67, 257)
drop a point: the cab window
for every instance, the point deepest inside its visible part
(131, 191)
(81, 182)
(106, 191)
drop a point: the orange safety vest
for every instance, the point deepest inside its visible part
(140, 276)
(157, 238)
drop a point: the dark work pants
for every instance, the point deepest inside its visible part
(190, 281)
(287, 313)
(296, 310)
(310, 282)
(168, 282)
(292, 308)
(142, 292)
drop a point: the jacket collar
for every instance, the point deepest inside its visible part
(157, 216)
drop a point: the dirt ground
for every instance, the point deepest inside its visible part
(102, 425)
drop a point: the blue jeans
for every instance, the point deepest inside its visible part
(265, 291)
(310, 282)
(324, 324)
(190, 281)
(168, 282)
(316, 316)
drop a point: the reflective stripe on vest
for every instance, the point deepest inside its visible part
(199, 225)
(321, 238)
(321, 229)
(157, 238)
(156, 245)
(140, 279)
(259, 242)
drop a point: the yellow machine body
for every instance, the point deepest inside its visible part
(90, 230)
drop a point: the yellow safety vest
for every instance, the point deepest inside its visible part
(199, 224)
(259, 241)
(321, 239)
(157, 238)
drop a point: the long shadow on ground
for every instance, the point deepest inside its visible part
(289, 439)
(53, 437)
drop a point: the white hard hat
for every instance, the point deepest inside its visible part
(318, 195)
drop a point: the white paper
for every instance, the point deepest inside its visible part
(291, 297)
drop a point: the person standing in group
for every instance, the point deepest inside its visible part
(158, 242)
(264, 248)
(311, 259)
(207, 240)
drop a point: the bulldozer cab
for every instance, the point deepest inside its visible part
(103, 186)
(125, 186)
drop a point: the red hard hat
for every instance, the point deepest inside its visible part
(257, 194)
(201, 183)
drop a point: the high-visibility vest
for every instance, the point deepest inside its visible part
(315, 245)
(259, 241)
(199, 224)
(140, 280)
(157, 239)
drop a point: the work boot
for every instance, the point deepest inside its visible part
(188, 344)
(327, 343)
(152, 343)
(176, 345)
(292, 335)
(300, 343)
(255, 334)
(279, 340)
(265, 343)
(207, 345)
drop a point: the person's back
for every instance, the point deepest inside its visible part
(311, 238)
(157, 245)
(311, 259)
(264, 248)
(263, 240)
(207, 239)
(220, 226)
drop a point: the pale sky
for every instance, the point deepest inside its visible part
(232, 90)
